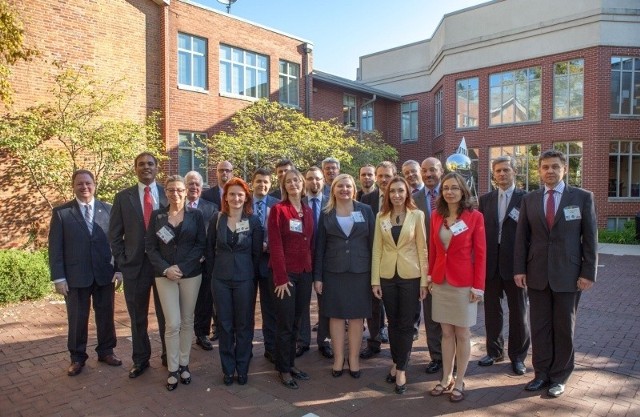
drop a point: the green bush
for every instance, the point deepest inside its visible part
(24, 275)
(626, 236)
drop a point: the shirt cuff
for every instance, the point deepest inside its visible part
(479, 293)
(59, 280)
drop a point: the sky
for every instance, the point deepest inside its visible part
(342, 31)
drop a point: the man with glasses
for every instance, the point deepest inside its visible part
(224, 171)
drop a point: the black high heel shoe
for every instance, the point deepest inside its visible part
(186, 380)
(354, 374)
(173, 376)
(338, 373)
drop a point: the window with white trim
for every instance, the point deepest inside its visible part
(625, 86)
(624, 168)
(568, 89)
(192, 61)
(438, 111)
(467, 103)
(192, 153)
(289, 83)
(349, 110)
(243, 73)
(409, 122)
(366, 119)
(515, 96)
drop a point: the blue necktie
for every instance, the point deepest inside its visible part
(316, 213)
(260, 211)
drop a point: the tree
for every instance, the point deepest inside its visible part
(12, 47)
(266, 132)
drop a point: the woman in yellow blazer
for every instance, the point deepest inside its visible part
(399, 271)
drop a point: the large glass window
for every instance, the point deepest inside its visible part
(366, 118)
(568, 89)
(515, 96)
(192, 61)
(349, 110)
(243, 73)
(409, 121)
(625, 86)
(438, 110)
(192, 153)
(573, 152)
(526, 156)
(624, 168)
(289, 83)
(467, 103)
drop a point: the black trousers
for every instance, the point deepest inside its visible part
(519, 335)
(375, 322)
(264, 285)
(399, 297)
(289, 312)
(205, 310)
(137, 290)
(78, 309)
(553, 321)
(433, 330)
(235, 306)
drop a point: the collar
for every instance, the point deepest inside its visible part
(508, 192)
(430, 190)
(559, 188)
(92, 203)
(153, 186)
(318, 196)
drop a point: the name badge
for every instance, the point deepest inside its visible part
(514, 214)
(165, 234)
(458, 227)
(295, 225)
(357, 217)
(242, 226)
(572, 213)
(386, 225)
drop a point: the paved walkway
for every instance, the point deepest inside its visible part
(33, 362)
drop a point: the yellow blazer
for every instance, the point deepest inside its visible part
(409, 255)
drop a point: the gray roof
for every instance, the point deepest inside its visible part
(353, 85)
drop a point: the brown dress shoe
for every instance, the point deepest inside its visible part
(111, 360)
(75, 368)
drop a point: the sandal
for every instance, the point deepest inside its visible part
(185, 374)
(457, 394)
(440, 389)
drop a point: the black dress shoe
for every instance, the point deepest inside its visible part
(227, 379)
(390, 379)
(518, 368)
(242, 379)
(369, 352)
(489, 360)
(204, 343)
(288, 382)
(536, 385)
(111, 360)
(433, 367)
(326, 351)
(137, 369)
(300, 350)
(400, 389)
(75, 368)
(270, 357)
(298, 374)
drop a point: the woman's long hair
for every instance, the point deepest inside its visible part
(408, 202)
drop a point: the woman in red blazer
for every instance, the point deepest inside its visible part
(457, 259)
(290, 233)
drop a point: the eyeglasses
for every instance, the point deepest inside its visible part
(452, 189)
(175, 190)
(294, 180)
(224, 170)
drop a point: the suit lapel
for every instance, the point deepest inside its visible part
(134, 198)
(77, 213)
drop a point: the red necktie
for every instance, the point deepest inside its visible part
(551, 209)
(148, 206)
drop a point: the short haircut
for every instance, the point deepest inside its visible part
(284, 163)
(174, 178)
(260, 171)
(195, 174)
(367, 166)
(552, 153)
(313, 168)
(387, 164)
(503, 158)
(330, 160)
(410, 162)
(82, 172)
(145, 153)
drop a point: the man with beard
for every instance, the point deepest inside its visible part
(367, 181)
(282, 167)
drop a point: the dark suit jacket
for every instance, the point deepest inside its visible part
(264, 258)
(185, 249)
(277, 193)
(208, 209)
(127, 220)
(420, 198)
(336, 252)
(500, 256)
(212, 195)
(237, 263)
(74, 254)
(557, 257)
(373, 200)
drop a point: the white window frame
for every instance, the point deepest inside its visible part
(409, 114)
(233, 85)
(468, 90)
(349, 115)
(287, 80)
(438, 112)
(617, 86)
(196, 59)
(510, 93)
(568, 102)
(190, 144)
(627, 188)
(367, 117)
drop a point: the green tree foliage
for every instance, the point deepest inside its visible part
(51, 140)
(266, 132)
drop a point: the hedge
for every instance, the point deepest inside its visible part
(24, 275)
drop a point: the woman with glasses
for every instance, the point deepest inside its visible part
(290, 231)
(457, 266)
(175, 244)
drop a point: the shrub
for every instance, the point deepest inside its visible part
(625, 236)
(24, 275)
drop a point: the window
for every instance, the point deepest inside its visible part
(192, 61)
(467, 103)
(625, 86)
(573, 151)
(624, 168)
(618, 223)
(526, 156)
(568, 89)
(243, 73)
(349, 110)
(367, 117)
(515, 96)
(409, 121)
(438, 113)
(192, 154)
(289, 83)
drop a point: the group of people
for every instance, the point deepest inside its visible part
(401, 249)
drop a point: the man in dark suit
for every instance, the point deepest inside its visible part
(262, 203)
(385, 171)
(282, 167)
(224, 172)
(555, 259)
(82, 269)
(501, 209)
(330, 170)
(130, 217)
(204, 311)
(367, 177)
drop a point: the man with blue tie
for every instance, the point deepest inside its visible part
(82, 269)
(262, 203)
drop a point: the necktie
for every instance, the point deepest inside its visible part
(551, 209)
(192, 205)
(432, 200)
(87, 217)
(316, 213)
(502, 211)
(148, 206)
(260, 211)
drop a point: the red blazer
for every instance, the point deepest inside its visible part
(464, 262)
(290, 251)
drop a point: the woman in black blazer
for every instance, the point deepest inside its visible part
(234, 246)
(175, 243)
(342, 269)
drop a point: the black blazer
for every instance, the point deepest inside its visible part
(184, 250)
(208, 209)
(127, 220)
(74, 254)
(238, 263)
(373, 200)
(336, 252)
(420, 198)
(212, 195)
(500, 256)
